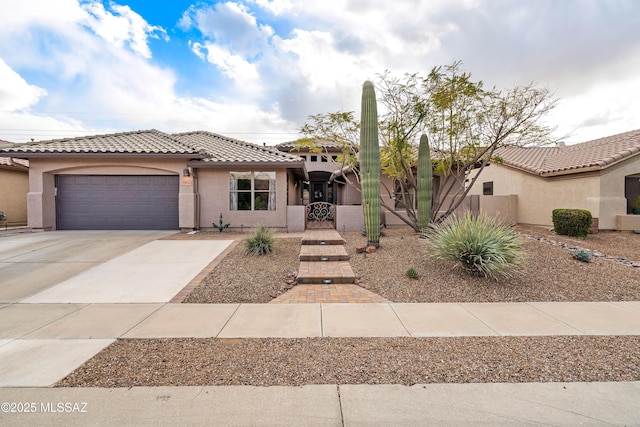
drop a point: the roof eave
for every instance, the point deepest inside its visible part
(298, 166)
(246, 164)
(26, 155)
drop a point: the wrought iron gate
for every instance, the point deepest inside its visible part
(320, 215)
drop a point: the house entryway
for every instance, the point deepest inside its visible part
(325, 275)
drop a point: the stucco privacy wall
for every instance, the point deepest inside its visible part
(42, 172)
(213, 189)
(14, 185)
(538, 197)
(612, 191)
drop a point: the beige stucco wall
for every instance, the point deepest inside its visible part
(14, 185)
(612, 197)
(41, 196)
(602, 193)
(349, 218)
(213, 186)
(538, 197)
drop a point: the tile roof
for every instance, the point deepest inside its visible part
(206, 147)
(8, 162)
(591, 155)
(221, 149)
(137, 142)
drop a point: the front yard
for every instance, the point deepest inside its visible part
(550, 273)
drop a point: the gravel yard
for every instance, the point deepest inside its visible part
(296, 362)
(549, 274)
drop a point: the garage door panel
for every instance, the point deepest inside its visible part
(127, 202)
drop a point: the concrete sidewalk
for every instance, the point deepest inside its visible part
(37, 335)
(550, 404)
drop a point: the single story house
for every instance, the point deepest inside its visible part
(14, 185)
(153, 180)
(602, 176)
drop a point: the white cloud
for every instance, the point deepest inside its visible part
(230, 25)
(601, 110)
(124, 26)
(277, 7)
(15, 93)
(232, 66)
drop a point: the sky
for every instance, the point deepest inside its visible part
(255, 70)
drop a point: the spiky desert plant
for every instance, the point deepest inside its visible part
(412, 274)
(370, 164)
(425, 183)
(260, 241)
(482, 245)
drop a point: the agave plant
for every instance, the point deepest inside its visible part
(482, 245)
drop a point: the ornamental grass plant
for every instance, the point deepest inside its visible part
(482, 245)
(260, 241)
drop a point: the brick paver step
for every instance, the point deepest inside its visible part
(322, 237)
(335, 293)
(323, 253)
(316, 272)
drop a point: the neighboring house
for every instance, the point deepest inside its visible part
(153, 180)
(602, 176)
(14, 185)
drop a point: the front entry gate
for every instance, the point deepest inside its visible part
(320, 215)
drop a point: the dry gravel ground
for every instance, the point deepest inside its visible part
(550, 274)
(295, 362)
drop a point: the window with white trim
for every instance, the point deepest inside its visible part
(252, 191)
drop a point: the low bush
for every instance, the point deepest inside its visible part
(571, 222)
(260, 241)
(482, 245)
(582, 255)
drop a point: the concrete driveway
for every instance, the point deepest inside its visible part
(99, 266)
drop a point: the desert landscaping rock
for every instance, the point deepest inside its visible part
(407, 361)
(550, 273)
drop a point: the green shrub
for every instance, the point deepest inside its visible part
(582, 255)
(571, 222)
(482, 245)
(412, 273)
(260, 241)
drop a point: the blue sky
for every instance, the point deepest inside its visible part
(256, 69)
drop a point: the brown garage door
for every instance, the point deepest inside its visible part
(117, 202)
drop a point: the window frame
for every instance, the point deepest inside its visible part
(252, 191)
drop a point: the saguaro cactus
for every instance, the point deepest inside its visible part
(425, 183)
(370, 164)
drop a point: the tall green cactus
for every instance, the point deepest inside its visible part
(425, 183)
(370, 164)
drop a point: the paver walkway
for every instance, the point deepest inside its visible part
(325, 274)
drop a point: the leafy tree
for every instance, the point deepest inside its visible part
(465, 124)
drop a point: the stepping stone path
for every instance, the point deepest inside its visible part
(325, 274)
